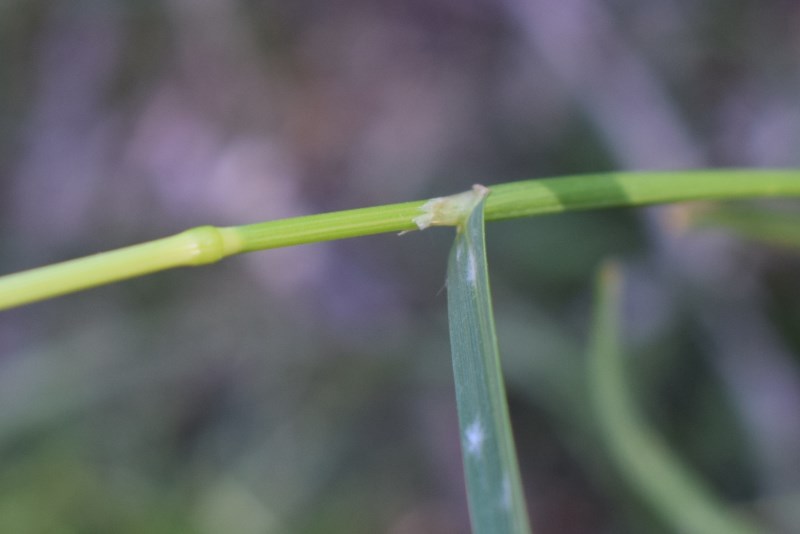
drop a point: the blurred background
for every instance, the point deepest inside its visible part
(309, 389)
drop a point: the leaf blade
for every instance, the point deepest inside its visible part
(644, 459)
(752, 223)
(494, 488)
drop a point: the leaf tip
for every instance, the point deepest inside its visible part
(609, 273)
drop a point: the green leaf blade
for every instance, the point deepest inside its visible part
(753, 223)
(643, 458)
(494, 488)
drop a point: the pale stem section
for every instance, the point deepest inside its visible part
(197, 246)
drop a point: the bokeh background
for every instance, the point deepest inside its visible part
(309, 389)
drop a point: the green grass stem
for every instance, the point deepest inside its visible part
(519, 199)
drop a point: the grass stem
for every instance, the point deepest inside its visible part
(208, 244)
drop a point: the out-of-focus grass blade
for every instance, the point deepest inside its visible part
(643, 458)
(494, 489)
(778, 228)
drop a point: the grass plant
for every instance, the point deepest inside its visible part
(643, 458)
(494, 487)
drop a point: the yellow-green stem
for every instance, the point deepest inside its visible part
(519, 199)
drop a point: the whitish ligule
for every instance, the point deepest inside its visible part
(452, 210)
